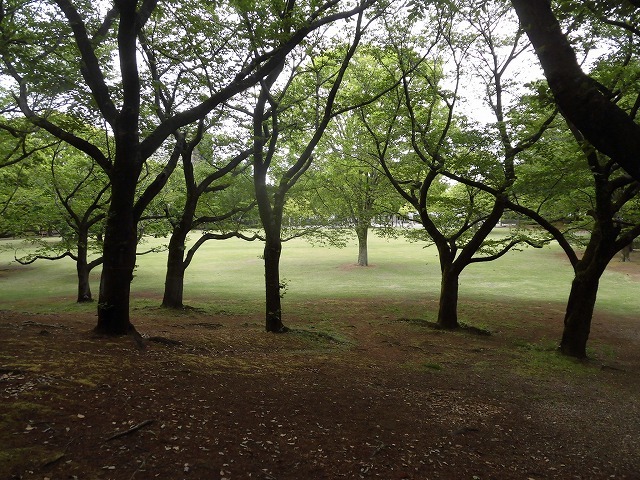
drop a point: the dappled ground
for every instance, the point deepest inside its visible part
(351, 392)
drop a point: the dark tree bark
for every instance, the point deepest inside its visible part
(120, 244)
(603, 244)
(579, 312)
(176, 266)
(273, 286)
(448, 306)
(174, 281)
(581, 100)
(84, 287)
(83, 270)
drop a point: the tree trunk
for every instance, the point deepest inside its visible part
(448, 309)
(174, 282)
(577, 320)
(120, 243)
(272, 251)
(584, 290)
(83, 270)
(84, 287)
(363, 255)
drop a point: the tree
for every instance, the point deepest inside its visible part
(81, 192)
(612, 230)
(582, 100)
(592, 213)
(444, 145)
(589, 205)
(352, 188)
(600, 110)
(219, 52)
(199, 187)
(288, 121)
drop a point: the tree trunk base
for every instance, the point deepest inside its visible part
(280, 329)
(570, 350)
(448, 325)
(173, 306)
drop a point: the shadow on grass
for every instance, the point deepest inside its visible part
(433, 325)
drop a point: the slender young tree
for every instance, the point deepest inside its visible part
(284, 145)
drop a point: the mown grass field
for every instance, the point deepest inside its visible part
(229, 275)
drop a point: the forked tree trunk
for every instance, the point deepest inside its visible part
(448, 309)
(579, 313)
(363, 252)
(272, 251)
(174, 281)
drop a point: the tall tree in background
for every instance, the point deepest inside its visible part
(352, 188)
(351, 185)
(212, 62)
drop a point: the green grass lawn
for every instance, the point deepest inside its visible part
(230, 272)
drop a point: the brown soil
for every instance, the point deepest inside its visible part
(351, 392)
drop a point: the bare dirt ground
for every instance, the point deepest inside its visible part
(357, 394)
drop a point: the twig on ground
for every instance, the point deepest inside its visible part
(131, 430)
